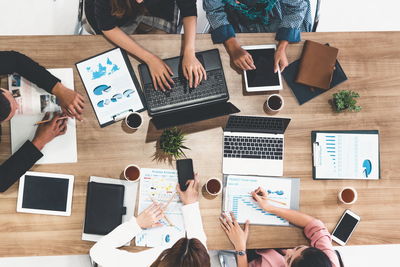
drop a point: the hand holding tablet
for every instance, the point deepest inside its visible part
(263, 78)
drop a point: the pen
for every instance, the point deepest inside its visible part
(44, 121)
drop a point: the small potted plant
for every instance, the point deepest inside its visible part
(171, 143)
(345, 100)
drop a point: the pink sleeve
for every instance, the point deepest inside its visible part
(320, 238)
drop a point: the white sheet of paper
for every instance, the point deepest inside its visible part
(239, 200)
(62, 149)
(109, 85)
(348, 156)
(161, 186)
(130, 194)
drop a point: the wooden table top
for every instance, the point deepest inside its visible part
(372, 64)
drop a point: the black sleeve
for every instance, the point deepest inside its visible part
(102, 14)
(188, 8)
(14, 62)
(19, 163)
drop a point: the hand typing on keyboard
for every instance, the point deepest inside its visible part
(160, 73)
(193, 70)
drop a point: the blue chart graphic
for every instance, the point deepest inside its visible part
(331, 147)
(246, 200)
(102, 69)
(367, 165)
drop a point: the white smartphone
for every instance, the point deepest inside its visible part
(345, 227)
(263, 78)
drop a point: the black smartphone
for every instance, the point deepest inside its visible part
(185, 172)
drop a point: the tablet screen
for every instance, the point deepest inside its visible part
(264, 74)
(45, 193)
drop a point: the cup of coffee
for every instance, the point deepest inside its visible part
(134, 120)
(132, 173)
(348, 195)
(274, 103)
(214, 186)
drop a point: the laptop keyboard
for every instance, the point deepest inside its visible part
(181, 94)
(254, 124)
(253, 147)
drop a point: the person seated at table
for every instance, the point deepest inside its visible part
(287, 18)
(190, 251)
(319, 254)
(116, 19)
(70, 101)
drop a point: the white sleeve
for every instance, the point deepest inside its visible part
(193, 223)
(106, 253)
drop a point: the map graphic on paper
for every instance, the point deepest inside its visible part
(239, 200)
(160, 185)
(103, 69)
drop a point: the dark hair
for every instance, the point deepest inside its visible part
(121, 8)
(5, 107)
(312, 257)
(184, 253)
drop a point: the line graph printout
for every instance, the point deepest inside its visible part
(239, 200)
(348, 156)
(160, 185)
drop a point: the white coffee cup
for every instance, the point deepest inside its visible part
(271, 106)
(132, 173)
(134, 120)
(348, 195)
(213, 186)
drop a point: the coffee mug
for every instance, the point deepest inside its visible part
(348, 195)
(134, 120)
(132, 173)
(214, 186)
(274, 103)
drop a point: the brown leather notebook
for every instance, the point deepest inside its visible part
(317, 65)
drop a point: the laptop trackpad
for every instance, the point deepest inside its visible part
(253, 166)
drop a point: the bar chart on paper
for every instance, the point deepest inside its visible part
(237, 198)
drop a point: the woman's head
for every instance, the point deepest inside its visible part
(304, 256)
(8, 105)
(184, 253)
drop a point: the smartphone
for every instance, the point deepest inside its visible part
(345, 227)
(185, 172)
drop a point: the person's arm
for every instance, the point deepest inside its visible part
(193, 71)
(106, 253)
(14, 62)
(293, 216)
(22, 160)
(191, 211)
(294, 12)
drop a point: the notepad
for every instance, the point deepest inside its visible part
(283, 192)
(346, 155)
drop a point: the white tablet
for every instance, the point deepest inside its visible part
(45, 193)
(263, 77)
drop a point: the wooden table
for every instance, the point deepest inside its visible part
(370, 60)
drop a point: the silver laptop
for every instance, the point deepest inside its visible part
(254, 145)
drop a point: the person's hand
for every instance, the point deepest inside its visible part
(49, 130)
(193, 71)
(242, 59)
(280, 59)
(191, 195)
(160, 73)
(261, 197)
(71, 102)
(235, 233)
(151, 216)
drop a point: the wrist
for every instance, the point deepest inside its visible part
(282, 45)
(240, 248)
(57, 89)
(188, 51)
(231, 44)
(148, 57)
(38, 143)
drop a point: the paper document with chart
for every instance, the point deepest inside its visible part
(160, 186)
(34, 102)
(346, 155)
(283, 192)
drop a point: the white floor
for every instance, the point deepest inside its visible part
(59, 17)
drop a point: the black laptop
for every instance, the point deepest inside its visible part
(183, 104)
